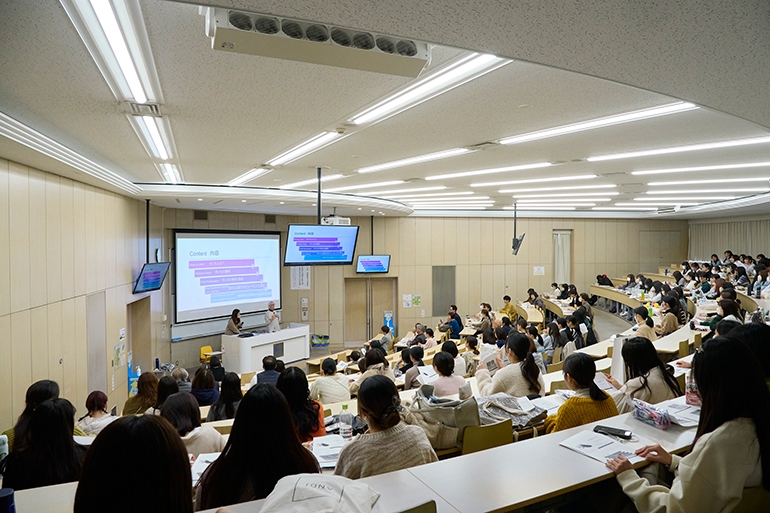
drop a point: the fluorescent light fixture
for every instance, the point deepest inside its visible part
(570, 188)
(491, 171)
(170, 173)
(540, 208)
(566, 195)
(624, 209)
(153, 127)
(248, 176)
(756, 190)
(701, 168)
(699, 198)
(311, 181)
(442, 80)
(365, 186)
(663, 204)
(446, 207)
(566, 200)
(549, 205)
(725, 181)
(450, 201)
(416, 160)
(600, 122)
(33, 139)
(407, 191)
(680, 149)
(434, 195)
(305, 148)
(536, 180)
(451, 205)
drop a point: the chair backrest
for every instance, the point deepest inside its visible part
(557, 385)
(555, 367)
(684, 348)
(557, 355)
(203, 357)
(428, 360)
(224, 428)
(479, 438)
(428, 507)
(754, 499)
(610, 351)
(327, 412)
(697, 340)
(246, 377)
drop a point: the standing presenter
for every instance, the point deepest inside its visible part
(272, 318)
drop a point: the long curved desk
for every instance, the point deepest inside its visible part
(531, 315)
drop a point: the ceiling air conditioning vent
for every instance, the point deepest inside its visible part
(297, 40)
(667, 210)
(142, 109)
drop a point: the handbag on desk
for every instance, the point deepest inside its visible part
(451, 413)
(501, 406)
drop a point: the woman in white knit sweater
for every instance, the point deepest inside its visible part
(519, 379)
(331, 387)
(732, 445)
(648, 379)
(390, 444)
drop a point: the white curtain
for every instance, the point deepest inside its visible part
(747, 237)
(562, 256)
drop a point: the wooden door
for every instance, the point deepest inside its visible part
(383, 298)
(356, 308)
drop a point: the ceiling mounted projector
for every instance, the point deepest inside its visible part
(295, 40)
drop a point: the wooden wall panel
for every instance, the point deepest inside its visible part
(21, 359)
(56, 339)
(53, 231)
(7, 414)
(110, 241)
(38, 342)
(19, 237)
(37, 239)
(5, 243)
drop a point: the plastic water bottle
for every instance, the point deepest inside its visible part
(346, 423)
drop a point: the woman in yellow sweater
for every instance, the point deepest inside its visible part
(589, 403)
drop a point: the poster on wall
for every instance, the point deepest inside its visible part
(416, 300)
(389, 322)
(406, 300)
(538, 270)
(300, 277)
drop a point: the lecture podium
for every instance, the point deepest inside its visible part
(244, 354)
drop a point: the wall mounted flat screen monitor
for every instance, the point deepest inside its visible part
(151, 278)
(320, 244)
(373, 264)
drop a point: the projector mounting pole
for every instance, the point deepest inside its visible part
(147, 231)
(318, 169)
(514, 219)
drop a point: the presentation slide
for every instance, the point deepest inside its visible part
(151, 277)
(373, 264)
(320, 244)
(219, 271)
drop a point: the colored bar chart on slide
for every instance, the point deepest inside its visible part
(373, 264)
(308, 245)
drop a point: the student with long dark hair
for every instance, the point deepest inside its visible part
(249, 465)
(308, 414)
(521, 378)
(645, 327)
(97, 417)
(144, 451)
(552, 339)
(390, 444)
(589, 403)
(146, 397)
(570, 337)
(51, 455)
(183, 413)
(204, 387)
(732, 445)
(39, 391)
(229, 399)
(647, 377)
(234, 323)
(166, 386)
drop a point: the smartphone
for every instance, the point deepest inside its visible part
(620, 433)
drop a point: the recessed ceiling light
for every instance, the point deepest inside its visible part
(282, 202)
(680, 149)
(700, 168)
(301, 183)
(200, 199)
(359, 208)
(600, 122)
(536, 180)
(365, 186)
(415, 160)
(491, 171)
(243, 201)
(372, 210)
(314, 205)
(549, 189)
(725, 181)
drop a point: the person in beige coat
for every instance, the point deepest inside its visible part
(519, 379)
(234, 323)
(669, 311)
(648, 379)
(376, 364)
(182, 411)
(331, 387)
(645, 327)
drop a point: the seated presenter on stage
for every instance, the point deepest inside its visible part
(234, 323)
(272, 318)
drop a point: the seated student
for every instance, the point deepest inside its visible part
(353, 360)
(331, 387)
(564, 292)
(521, 325)
(584, 300)
(741, 278)
(732, 445)
(578, 329)
(756, 336)
(405, 362)
(416, 353)
(519, 379)
(419, 336)
(669, 309)
(555, 291)
(760, 285)
(375, 451)
(166, 386)
(430, 340)
(248, 467)
(215, 366)
(146, 396)
(39, 391)
(385, 338)
(279, 366)
(182, 411)
(679, 279)
(204, 388)
(508, 310)
(229, 399)
(120, 454)
(447, 383)
(552, 339)
(452, 326)
(726, 309)
(375, 364)
(589, 403)
(308, 414)
(182, 379)
(484, 323)
(451, 348)
(507, 326)
(268, 375)
(647, 377)
(535, 300)
(570, 337)
(97, 417)
(471, 351)
(51, 455)
(540, 344)
(491, 337)
(644, 325)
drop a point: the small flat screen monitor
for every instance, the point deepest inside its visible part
(373, 264)
(320, 244)
(152, 277)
